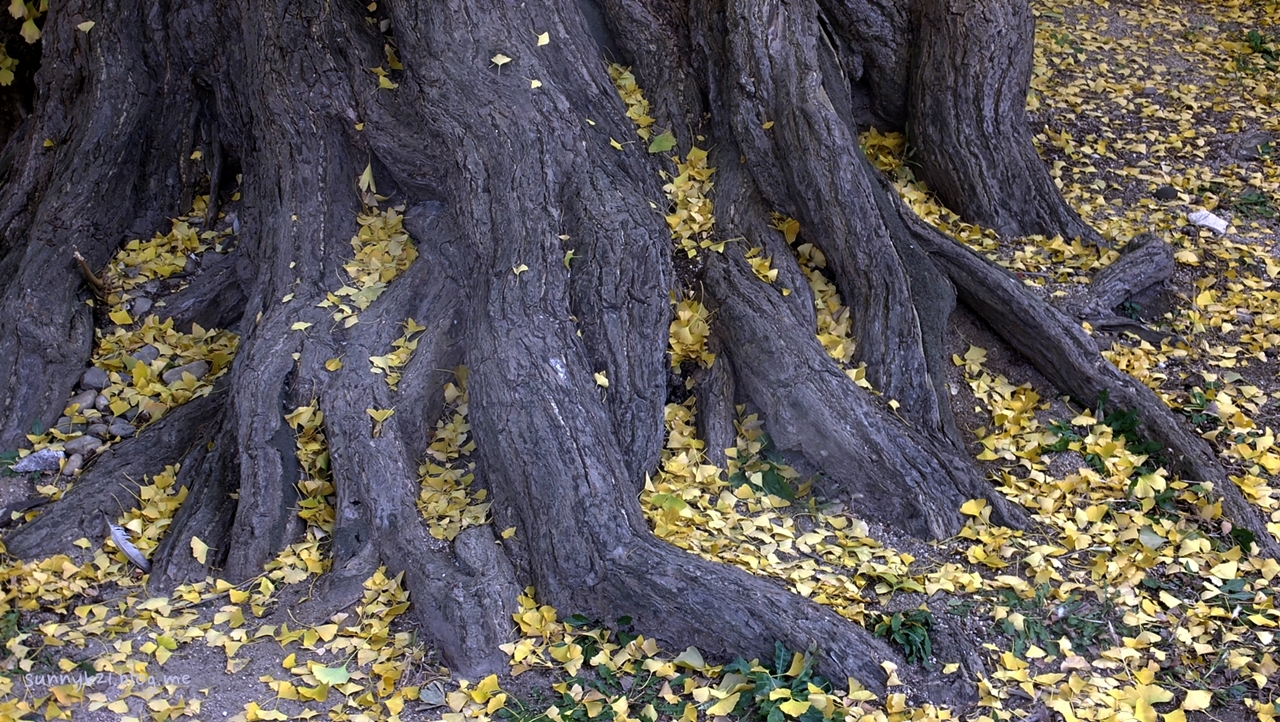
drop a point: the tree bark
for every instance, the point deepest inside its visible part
(968, 125)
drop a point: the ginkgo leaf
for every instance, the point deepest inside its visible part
(544, 38)
(794, 707)
(86, 26)
(485, 688)
(662, 143)
(1197, 699)
(519, 269)
(331, 675)
(535, 83)
(366, 179)
(1146, 696)
(300, 326)
(121, 317)
(796, 666)
(691, 658)
(499, 60)
(616, 145)
(333, 364)
(568, 256)
(724, 706)
(199, 549)
(380, 414)
(602, 379)
(1226, 570)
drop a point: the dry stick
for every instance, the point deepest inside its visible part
(1061, 350)
(99, 288)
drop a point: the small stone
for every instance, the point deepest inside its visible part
(42, 460)
(73, 465)
(141, 306)
(62, 425)
(95, 378)
(102, 403)
(83, 400)
(1166, 193)
(193, 265)
(98, 430)
(1150, 90)
(1254, 145)
(147, 354)
(199, 369)
(132, 271)
(82, 445)
(121, 428)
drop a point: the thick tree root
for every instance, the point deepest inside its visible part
(967, 119)
(501, 180)
(1144, 263)
(207, 513)
(113, 117)
(110, 483)
(1061, 350)
(890, 471)
(775, 78)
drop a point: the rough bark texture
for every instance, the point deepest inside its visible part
(499, 181)
(1145, 263)
(968, 124)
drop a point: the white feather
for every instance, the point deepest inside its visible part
(121, 539)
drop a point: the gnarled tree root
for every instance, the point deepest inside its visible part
(1060, 349)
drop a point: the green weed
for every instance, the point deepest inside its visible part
(908, 631)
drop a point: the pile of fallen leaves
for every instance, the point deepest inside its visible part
(446, 500)
(137, 354)
(382, 250)
(401, 350)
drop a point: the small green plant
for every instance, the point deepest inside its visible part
(9, 628)
(791, 671)
(1253, 204)
(908, 631)
(642, 689)
(1064, 40)
(767, 472)
(7, 460)
(1042, 621)
(1196, 409)
(1262, 54)
(1260, 44)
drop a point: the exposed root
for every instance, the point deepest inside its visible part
(892, 472)
(967, 119)
(111, 483)
(1061, 350)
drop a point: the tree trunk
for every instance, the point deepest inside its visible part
(968, 125)
(504, 167)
